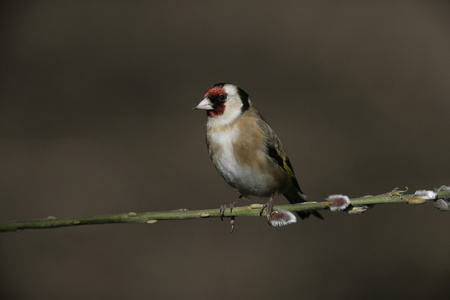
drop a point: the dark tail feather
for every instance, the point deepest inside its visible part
(296, 196)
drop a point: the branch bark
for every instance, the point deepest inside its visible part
(355, 206)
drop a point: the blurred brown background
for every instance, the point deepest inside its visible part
(95, 118)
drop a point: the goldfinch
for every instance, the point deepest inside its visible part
(245, 149)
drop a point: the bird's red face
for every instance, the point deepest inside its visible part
(214, 102)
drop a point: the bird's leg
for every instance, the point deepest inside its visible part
(223, 207)
(268, 206)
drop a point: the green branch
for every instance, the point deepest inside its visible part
(355, 206)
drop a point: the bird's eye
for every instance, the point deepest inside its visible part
(222, 97)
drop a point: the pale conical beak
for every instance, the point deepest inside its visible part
(204, 104)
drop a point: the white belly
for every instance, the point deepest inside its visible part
(247, 180)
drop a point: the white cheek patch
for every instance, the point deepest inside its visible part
(231, 112)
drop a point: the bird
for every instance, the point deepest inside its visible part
(246, 151)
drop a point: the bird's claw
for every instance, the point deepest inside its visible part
(223, 207)
(222, 212)
(268, 207)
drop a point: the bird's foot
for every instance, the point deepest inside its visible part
(222, 212)
(269, 208)
(223, 207)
